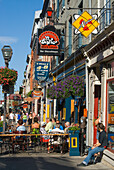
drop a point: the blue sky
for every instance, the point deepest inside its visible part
(16, 21)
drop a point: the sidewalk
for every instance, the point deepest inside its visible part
(44, 161)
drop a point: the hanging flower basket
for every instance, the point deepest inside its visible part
(70, 86)
(8, 76)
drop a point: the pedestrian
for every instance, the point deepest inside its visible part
(11, 118)
(30, 119)
(98, 147)
(24, 118)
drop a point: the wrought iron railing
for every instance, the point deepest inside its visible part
(105, 16)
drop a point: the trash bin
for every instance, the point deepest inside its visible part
(74, 143)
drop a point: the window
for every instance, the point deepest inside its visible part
(111, 114)
(105, 18)
(111, 69)
(68, 1)
(70, 36)
(63, 3)
(57, 8)
(80, 12)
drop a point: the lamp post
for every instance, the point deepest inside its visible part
(7, 54)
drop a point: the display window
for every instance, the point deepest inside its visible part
(110, 106)
(111, 114)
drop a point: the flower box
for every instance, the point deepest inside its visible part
(74, 143)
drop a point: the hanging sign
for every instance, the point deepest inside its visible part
(85, 24)
(49, 41)
(41, 70)
(37, 93)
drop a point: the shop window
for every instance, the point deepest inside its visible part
(111, 114)
(111, 69)
(57, 8)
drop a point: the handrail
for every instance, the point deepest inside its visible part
(11, 135)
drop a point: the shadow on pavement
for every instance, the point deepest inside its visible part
(35, 163)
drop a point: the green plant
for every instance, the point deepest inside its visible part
(1, 124)
(29, 94)
(8, 76)
(74, 128)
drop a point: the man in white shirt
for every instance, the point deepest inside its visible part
(11, 117)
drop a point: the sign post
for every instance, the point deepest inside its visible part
(41, 70)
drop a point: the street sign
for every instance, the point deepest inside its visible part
(49, 41)
(86, 24)
(41, 70)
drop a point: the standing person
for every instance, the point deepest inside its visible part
(24, 118)
(30, 119)
(2, 117)
(98, 147)
(11, 117)
(18, 116)
(49, 125)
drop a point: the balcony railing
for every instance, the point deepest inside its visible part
(105, 16)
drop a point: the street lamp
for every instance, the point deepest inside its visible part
(7, 54)
(49, 12)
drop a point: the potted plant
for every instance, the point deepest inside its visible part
(1, 126)
(74, 128)
(74, 140)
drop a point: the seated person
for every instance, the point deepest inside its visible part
(67, 125)
(98, 147)
(44, 138)
(54, 121)
(35, 126)
(21, 127)
(49, 125)
(9, 129)
(58, 123)
(43, 131)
